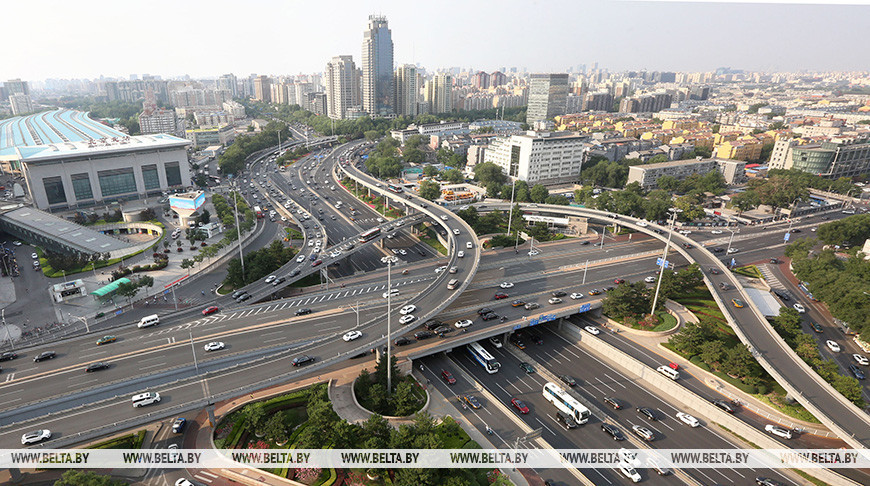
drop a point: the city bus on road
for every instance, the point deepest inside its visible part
(369, 235)
(483, 357)
(258, 212)
(395, 188)
(566, 403)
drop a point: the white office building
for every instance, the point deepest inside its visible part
(539, 157)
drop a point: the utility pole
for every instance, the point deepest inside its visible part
(511, 211)
(239, 233)
(193, 350)
(674, 211)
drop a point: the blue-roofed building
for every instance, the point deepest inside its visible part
(69, 160)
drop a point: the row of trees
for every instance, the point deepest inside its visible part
(371, 391)
(258, 264)
(226, 212)
(497, 185)
(788, 325)
(73, 261)
(384, 161)
(599, 171)
(634, 300)
(782, 188)
(232, 160)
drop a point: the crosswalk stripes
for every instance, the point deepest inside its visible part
(770, 277)
(205, 476)
(10, 377)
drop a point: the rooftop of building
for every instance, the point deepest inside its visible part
(62, 132)
(678, 163)
(72, 235)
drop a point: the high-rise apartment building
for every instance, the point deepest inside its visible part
(377, 68)
(17, 86)
(229, 82)
(263, 88)
(407, 90)
(480, 80)
(439, 93)
(21, 103)
(548, 94)
(342, 87)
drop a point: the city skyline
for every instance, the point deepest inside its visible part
(554, 37)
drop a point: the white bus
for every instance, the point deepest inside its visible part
(566, 403)
(483, 357)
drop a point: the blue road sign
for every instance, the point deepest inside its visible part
(786, 237)
(668, 264)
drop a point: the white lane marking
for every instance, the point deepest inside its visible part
(274, 340)
(82, 383)
(545, 426)
(615, 382)
(152, 366)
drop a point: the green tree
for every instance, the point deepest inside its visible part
(372, 135)
(712, 352)
(539, 193)
(187, 264)
(413, 156)
(488, 172)
(145, 281)
(376, 431)
(430, 190)
(430, 170)
(127, 290)
(80, 477)
(255, 415)
(668, 183)
(627, 300)
(454, 176)
(405, 401)
(740, 362)
(274, 428)
(469, 215)
(745, 201)
(415, 141)
(657, 159)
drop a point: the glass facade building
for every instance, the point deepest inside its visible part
(377, 68)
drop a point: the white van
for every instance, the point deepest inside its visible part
(176, 234)
(669, 372)
(147, 398)
(149, 321)
(452, 284)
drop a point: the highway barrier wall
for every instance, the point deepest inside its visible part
(687, 398)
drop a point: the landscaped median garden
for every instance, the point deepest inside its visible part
(305, 419)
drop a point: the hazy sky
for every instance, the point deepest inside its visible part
(206, 38)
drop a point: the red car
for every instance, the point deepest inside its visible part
(448, 377)
(618, 281)
(501, 295)
(210, 310)
(519, 405)
(316, 263)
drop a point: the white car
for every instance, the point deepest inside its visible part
(35, 436)
(576, 295)
(456, 232)
(284, 219)
(407, 309)
(406, 319)
(799, 307)
(351, 335)
(688, 419)
(630, 473)
(463, 208)
(506, 285)
(861, 360)
(183, 482)
(685, 232)
(555, 300)
(833, 346)
(403, 252)
(444, 217)
(335, 254)
(393, 292)
(642, 224)
(733, 250)
(270, 279)
(462, 323)
(34, 256)
(650, 279)
(214, 346)
(778, 431)
(460, 254)
(533, 252)
(716, 232)
(300, 259)
(592, 330)
(496, 342)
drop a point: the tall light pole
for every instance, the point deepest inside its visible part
(239, 232)
(674, 211)
(511, 211)
(8, 335)
(81, 318)
(390, 261)
(730, 239)
(193, 350)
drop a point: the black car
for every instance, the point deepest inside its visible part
(302, 360)
(278, 281)
(567, 380)
(96, 367)
(534, 337)
(421, 252)
(239, 293)
(565, 420)
(420, 335)
(489, 316)
(724, 286)
(295, 272)
(782, 295)
(613, 431)
(718, 250)
(483, 311)
(441, 330)
(402, 341)
(774, 261)
(687, 246)
(8, 355)
(584, 242)
(724, 405)
(647, 412)
(559, 293)
(858, 372)
(302, 312)
(613, 403)
(244, 297)
(44, 356)
(432, 324)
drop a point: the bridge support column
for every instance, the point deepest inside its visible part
(212, 421)
(16, 475)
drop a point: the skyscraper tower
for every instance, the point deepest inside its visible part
(377, 68)
(342, 86)
(407, 90)
(548, 95)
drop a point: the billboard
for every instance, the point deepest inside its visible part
(187, 202)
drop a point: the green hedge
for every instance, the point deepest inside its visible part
(235, 435)
(329, 480)
(130, 441)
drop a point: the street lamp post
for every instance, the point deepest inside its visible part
(83, 319)
(193, 350)
(8, 335)
(511, 210)
(390, 261)
(674, 212)
(239, 233)
(730, 239)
